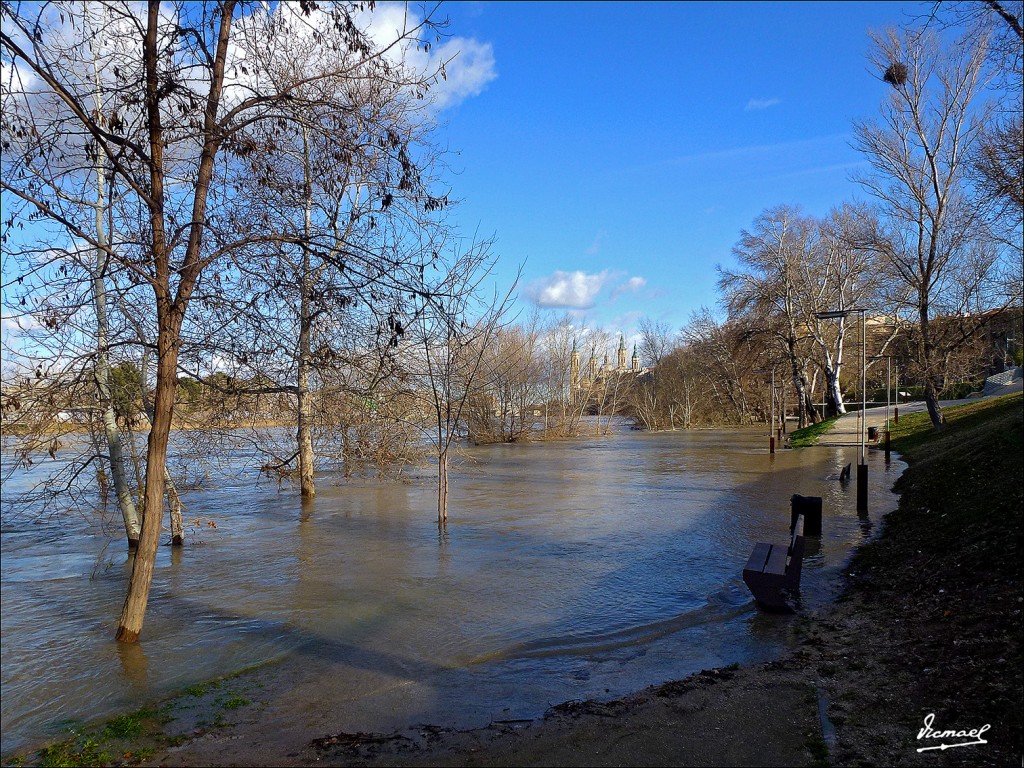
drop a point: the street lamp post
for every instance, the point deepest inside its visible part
(862, 466)
(896, 402)
(782, 415)
(888, 395)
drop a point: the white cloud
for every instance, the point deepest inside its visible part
(632, 285)
(471, 69)
(468, 64)
(754, 105)
(573, 290)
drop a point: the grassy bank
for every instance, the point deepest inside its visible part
(932, 615)
(808, 436)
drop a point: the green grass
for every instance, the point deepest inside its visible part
(128, 726)
(74, 752)
(201, 689)
(115, 742)
(915, 430)
(131, 738)
(964, 485)
(235, 702)
(802, 438)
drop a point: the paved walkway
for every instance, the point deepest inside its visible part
(847, 429)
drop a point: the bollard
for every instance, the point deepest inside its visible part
(771, 444)
(896, 415)
(810, 508)
(872, 433)
(887, 435)
(862, 487)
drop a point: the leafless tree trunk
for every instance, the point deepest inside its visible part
(305, 398)
(132, 525)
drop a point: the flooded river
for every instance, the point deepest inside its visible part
(569, 570)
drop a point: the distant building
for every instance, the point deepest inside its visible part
(584, 380)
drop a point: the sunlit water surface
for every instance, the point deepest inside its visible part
(569, 570)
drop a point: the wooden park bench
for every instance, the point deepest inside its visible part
(773, 570)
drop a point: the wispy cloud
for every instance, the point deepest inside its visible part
(595, 246)
(632, 285)
(756, 104)
(578, 290)
(821, 169)
(571, 290)
(801, 147)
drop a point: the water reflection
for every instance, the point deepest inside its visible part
(566, 570)
(134, 664)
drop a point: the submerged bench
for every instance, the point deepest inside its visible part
(773, 570)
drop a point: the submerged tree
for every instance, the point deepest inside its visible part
(347, 180)
(190, 85)
(447, 333)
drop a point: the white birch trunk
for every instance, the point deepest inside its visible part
(129, 513)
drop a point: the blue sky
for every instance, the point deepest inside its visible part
(616, 150)
(630, 143)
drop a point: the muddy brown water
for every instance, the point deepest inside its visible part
(569, 570)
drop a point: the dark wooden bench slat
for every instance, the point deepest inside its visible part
(776, 564)
(758, 557)
(772, 568)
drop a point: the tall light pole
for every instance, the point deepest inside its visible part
(771, 419)
(782, 414)
(888, 394)
(862, 466)
(896, 401)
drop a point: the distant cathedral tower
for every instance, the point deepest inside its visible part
(592, 366)
(636, 360)
(622, 353)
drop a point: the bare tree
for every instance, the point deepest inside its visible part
(190, 89)
(918, 152)
(448, 331)
(997, 161)
(351, 193)
(725, 360)
(508, 389)
(841, 274)
(565, 390)
(770, 288)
